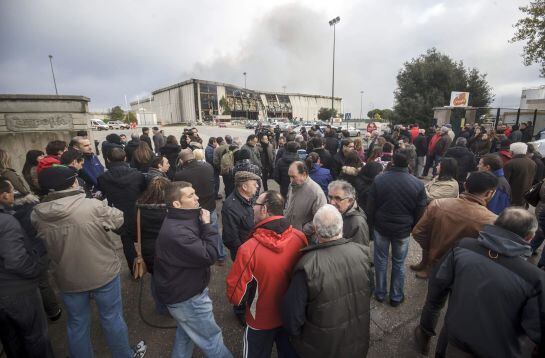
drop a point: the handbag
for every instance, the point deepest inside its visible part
(532, 195)
(139, 268)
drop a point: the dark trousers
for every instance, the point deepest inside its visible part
(229, 184)
(259, 343)
(50, 302)
(216, 182)
(23, 326)
(432, 161)
(128, 249)
(265, 177)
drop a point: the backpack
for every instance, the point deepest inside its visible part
(227, 162)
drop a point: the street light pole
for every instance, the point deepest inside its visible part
(53, 73)
(333, 22)
(361, 105)
(244, 73)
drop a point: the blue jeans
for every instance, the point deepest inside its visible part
(196, 325)
(400, 247)
(110, 309)
(214, 223)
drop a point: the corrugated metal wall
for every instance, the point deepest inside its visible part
(187, 95)
(307, 107)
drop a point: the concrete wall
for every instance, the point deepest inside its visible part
(31, 121)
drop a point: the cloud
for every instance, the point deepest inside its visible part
(105, 50)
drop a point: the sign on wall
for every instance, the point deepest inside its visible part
(459, 99)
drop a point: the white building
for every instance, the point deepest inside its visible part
(198, 100)
(533, 98)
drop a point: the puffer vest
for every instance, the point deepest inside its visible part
(339, 290)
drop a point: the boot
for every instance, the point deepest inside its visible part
(423, 274)
(423, 263)
(422, 341)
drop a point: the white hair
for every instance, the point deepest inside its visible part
(237, 141)
(344, 186)
(518, 148)
(328, 223)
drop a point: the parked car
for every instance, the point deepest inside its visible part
(118, 125)
(222, 125)
(98, 125)
(352, 131)
(250, 125)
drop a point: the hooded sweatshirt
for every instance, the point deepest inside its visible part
(252, 276)
(75, 231)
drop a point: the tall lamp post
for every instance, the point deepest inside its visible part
(244, 73)
(53, 73)
(361, 105)
(333, 22)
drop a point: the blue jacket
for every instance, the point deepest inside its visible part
(502, 197)
(209, 154)
(92, 169)
(321, 176)
(395, 203)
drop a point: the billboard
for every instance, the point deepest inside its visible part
(459, 99)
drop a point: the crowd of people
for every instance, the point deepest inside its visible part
(307, 259)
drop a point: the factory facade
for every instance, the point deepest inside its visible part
(197, 100)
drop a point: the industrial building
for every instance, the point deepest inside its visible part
(198, 100)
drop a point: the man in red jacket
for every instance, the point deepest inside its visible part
(54, 150)
(259, 276)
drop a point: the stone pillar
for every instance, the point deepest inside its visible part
(31, 121)
(442, 114)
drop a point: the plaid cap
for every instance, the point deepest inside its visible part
(243, 176)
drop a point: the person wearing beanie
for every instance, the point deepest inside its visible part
(83, 260)
(243, 162)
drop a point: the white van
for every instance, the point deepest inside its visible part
(98, 124)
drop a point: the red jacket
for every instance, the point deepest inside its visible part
(46, 162)
(433, 142)
(262, 269)
(414, 133)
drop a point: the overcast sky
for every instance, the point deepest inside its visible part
(106, 49)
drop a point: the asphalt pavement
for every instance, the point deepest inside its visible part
(391, 328)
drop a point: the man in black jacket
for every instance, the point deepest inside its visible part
(347, 145)
(201, 176)
(283, 166)
(23, 325)
(122, 185)
(186, 247)
(496, 296)
(395, 202)
(465, 160)
(145, 137)
(131, 146)
(326, 159)
(331, 140)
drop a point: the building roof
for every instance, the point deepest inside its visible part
(195, 80)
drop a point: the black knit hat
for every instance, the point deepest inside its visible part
(56, 178)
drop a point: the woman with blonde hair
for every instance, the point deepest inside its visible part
(358, 148)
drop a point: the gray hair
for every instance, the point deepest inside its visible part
(517, 220)
(518, 148)
(237, 141)
(461, 141)
(344, 186)
(299, 138)
(135, 136)
(328, 223)
(444, 129)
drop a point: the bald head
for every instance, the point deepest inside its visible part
(186, 155)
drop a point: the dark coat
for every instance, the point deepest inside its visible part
(237, 217)
(326, 159)
(184, 251)
(130, 148)
(201, 176)
(331, 144)
(442, 144)
(146, 139)
(267, 156)
(281, 172)
(321, 176)
(465, 160)
(395, 202)
(22, 258)
(519, 172)
(421, 145)
(329, 315)
(355, 225)
(151, 220)
(122, 186)
(171, 151)
(512, 287)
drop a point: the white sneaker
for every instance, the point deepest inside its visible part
(140, 350)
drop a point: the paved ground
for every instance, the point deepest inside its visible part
(391, 328)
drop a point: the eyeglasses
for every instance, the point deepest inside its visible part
(337, 198)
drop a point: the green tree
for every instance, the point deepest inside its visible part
(381, 114)
(427, 81)
(130, 117)
(531, 29)
(371, 114)
(117, 114)
(325, 114)
(224, 106)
